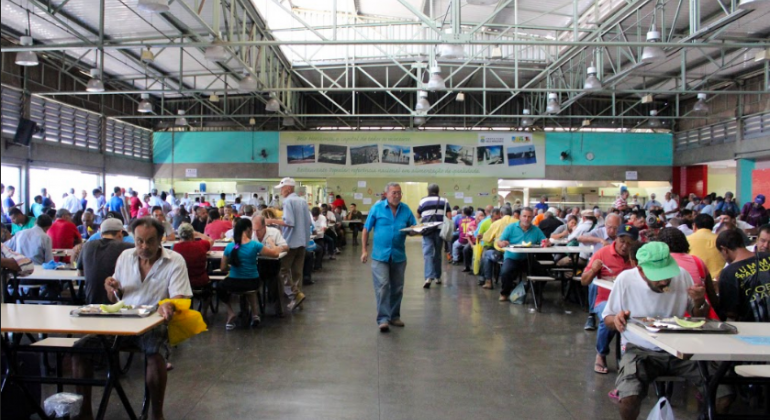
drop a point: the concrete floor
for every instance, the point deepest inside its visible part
(463, 355)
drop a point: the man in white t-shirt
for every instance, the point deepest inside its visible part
(656, 287)
(670, 206)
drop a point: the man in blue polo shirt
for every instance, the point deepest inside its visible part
(514, 234)
(388, 217)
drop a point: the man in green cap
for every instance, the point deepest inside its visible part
(659, 288)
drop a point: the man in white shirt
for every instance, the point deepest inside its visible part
(72, 202)
(320, 224)
(143, 276)
(656, 287)
(652, 204)
(171, 198)
(155, 201)
(670, 206)
(34, 243)
(186, 203)
(730, 218)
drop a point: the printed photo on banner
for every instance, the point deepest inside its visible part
(332, 153)
(489, 155)
(458, 155)
(521, 139)
(521, 155)
(304, 153)
(362, 155)
(427, 155)
(395, 154)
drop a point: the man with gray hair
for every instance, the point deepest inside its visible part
(387, 218)
(433, 208)
(72, 202)
(598, 238)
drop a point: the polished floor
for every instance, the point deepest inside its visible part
(463, 355)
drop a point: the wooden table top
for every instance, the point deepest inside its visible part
(55, 319)
(41, 274)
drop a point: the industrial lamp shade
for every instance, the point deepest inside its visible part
(451, 51)
(419, 121)
(147, 56)
(592, 82)
(652, 52)
(701, 107)
(553, 106)
(215, 52)
(145, 107)
(154, 6)
(288, 122)
(527, 121)
(247, 84)
(460, 97)
(496, 53)
(753, 4)
(273, 105)
(422, 102)
(252, 121)
(26, 58)
(654, 122)
(180, 121)
(436, 82)
(214, 97)
(95, 84)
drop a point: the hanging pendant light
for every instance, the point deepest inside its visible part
(527, 121)
(701, 107)
(436, 82)
(153, 6)
(288, 122)
(145, 107)
(654, 122)
(26, 58)
(451, 51)
(214, 97)
(147, 56)
(180, 121)
(752, 4)
(553, 106)
(272, 104)
(95, 84)
(592, 82)
(422, 101)
(216, 51)
(248, 83)
(419, 120)
(460, 97)
(652, 53)
(496, 53)
(252, 121)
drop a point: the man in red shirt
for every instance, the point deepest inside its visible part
(606, 264)
(338, 202)
(217, 228)
(64, 234)
(135, 204)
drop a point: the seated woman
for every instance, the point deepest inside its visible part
(194, 254)
(240, 259)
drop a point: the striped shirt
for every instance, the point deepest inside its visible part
(433, 207)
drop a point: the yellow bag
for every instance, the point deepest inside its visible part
(478, 252)
(186, 323)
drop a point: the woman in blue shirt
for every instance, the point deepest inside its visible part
(240, 258)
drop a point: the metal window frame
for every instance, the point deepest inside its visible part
(66, 125)
(124, 139)
(12, 105)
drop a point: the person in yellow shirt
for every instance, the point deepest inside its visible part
(492, 255)
(703, 244)
(221, 202)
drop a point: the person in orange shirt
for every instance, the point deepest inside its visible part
(539, 218)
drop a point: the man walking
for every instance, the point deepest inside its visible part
(432, 209)
(389, 254)
(296, 224)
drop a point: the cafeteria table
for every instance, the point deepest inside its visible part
(216, 256)
(70, 277)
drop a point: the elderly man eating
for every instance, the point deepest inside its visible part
(143, 276)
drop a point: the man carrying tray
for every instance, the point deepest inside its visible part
(656, 287)
(432, 208)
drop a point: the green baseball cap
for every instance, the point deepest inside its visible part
(656, 261)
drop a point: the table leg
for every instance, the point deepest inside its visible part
(12, 369)
(113, 381)
(711, 383)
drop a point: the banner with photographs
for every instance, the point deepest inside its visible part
(501, 154)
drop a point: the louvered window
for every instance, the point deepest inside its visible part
(753, 126)
(12, 105)
(128, 140)
(65, 124)
(723, 132)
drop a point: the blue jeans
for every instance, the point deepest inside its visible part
(457, 249)
(603, 335)
(431, 252)
(388, 289)
(488, 261)
(593, 291)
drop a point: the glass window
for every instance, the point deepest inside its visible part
(11, 176)
(140, 185)
(60, 181)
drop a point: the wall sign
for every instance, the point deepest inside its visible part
(191, 173)
(632, 175)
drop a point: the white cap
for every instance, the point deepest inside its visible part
(287, 182)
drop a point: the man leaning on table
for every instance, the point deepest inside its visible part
(657, 287)
(143, 276)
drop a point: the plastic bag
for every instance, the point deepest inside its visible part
(519, 294)
(63, 405)
(662, 411)
(185, 324)
(478, 252)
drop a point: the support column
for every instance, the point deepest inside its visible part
(743, 173)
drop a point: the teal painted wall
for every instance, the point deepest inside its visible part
(215, 147)
(745, 181)
(610, 149)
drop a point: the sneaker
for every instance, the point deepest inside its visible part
(503, 298)
(397, 323)
(384, 327)
(590, 323)
(296, 302)
(256, 321)
(466, 270)
(337, 250)
(438, 280)
(488, 285)
(427, 283)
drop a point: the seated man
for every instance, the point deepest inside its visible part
(354, 214)
(20, 221)
(143, 276)
(763, 239)
(466, 228)
(269, 235)
(730, 218)
(515, 263)
(64, 234)
(157, 214)
(34, 243)
(98, 258)
(606, 264)
(598, 238)
(657, 287)
(88, 227)
(493, 255)
(217, 228)
(743, 292)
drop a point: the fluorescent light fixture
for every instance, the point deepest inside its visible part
(654, 122)
(180, 121)
(145, 107)
(527, 121)
(147, 56)
(460, 97)
(272, 104)
(154, 6)
(216, 51)
(451, 51)
(26, 58)
(95, 84)
(592, 82)
(553, 106)
(436, 82)
(652, 52)
(214, 97)
(701, 107)
(422, 101)
(248, 83)
(751, 4)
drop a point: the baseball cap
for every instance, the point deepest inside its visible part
(760, 199)
(286, 182)
(656, 261)
(730, 193)
(553, 210)
(111, 225)
(628, 230)
(62, 213)
(587, 213)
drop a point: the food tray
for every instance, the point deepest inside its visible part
(668, 325)
(419, 228)
(94, 311)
